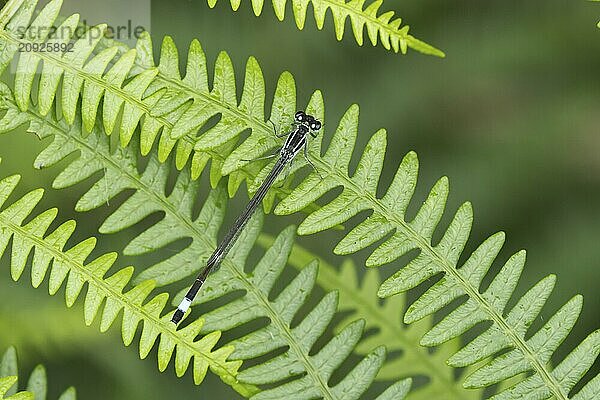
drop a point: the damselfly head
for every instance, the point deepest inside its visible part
(308, 120)
(315, 125)
(300, 116)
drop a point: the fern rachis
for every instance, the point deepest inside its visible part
(390, 32)
(70, 266)
(49, 257)
(170, 101)
(94, 146)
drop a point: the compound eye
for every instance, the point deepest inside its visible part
(300, 116)
(315, 125)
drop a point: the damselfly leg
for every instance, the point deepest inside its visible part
(276, 153)
(263, 157)
(279, 135)
(310, 162)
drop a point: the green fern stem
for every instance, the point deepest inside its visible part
(389, 30)
(361, 301)
(450, 269)
(359, 190)
(152, 322)
(46, 126)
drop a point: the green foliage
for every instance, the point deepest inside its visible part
(37, 384)
(598, 25)
(357, 298)
(155, 99)
(105, 296)
(149, 197)
(318, 367)
(388, 220)
(7, 382)
(391, 33)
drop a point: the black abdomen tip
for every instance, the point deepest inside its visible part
(177, 316)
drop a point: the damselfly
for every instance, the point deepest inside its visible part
(296, 141)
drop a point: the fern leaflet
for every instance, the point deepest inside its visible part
(70, 266)
(359, 298)
(149, 197)
(159, 98)
(37, 384)
(391, 33)
(388, 222)
(9, 378)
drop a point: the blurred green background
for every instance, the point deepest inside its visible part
(511, 116)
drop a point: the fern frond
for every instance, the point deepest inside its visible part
(297, 361)
(358, 299)
(401, 236)
(154, 98)
(113, 82)
(9, 378)
(189, 102)
(8, 381)
(37, 384)
(166, 108)
(393, 35)
(105, 297)
(313, 371)
(150, 197)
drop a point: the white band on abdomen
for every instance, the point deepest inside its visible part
(185, 304)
